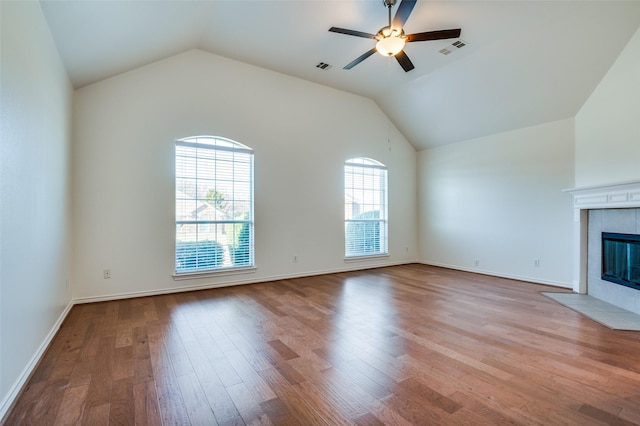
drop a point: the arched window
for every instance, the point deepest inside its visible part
(214, 204)
(365, 208)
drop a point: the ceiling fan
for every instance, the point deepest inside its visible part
(392, 39)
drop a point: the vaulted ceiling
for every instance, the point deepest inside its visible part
(524, 63)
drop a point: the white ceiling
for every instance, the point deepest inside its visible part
(526, 62)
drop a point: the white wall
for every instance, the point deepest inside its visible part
(608, 124)
(498, 200)
(35, 131)
(302, 133)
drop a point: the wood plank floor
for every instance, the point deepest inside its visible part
(405, 345)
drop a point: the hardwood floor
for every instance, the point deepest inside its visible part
(402, 345)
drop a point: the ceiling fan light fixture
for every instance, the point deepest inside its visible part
(390, 41)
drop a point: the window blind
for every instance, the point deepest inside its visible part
(214, 204)
(365, 207)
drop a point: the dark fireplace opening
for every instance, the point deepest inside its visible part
(621, 259)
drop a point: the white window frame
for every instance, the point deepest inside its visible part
(365, 184)
(199, 166)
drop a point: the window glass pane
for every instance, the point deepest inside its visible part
(365, 207)
(214, 204)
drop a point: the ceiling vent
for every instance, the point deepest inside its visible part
(323, 66)
(459, 44)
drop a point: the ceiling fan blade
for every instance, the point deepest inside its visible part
(404, 61)
(351, 32)
(434, 35)
(404, 10)
(360, 59)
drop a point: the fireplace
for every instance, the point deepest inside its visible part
(602, 209)
(621, 259)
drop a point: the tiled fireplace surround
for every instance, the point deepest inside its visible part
(606, 208)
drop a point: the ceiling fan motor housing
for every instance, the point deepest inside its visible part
(385, 32)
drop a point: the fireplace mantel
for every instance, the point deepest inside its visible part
(619, 195)
(612, 196)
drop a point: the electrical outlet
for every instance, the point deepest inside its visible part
(476, 263)
(295, 258)
(106, 274)
(536, 263)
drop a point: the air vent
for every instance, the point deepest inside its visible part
(323, 66)
(459, 44)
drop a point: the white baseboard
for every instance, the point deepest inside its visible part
(14, 391)
(353, 266)
(500, 274)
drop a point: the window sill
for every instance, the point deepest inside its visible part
(213, 273)
(363, 258)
